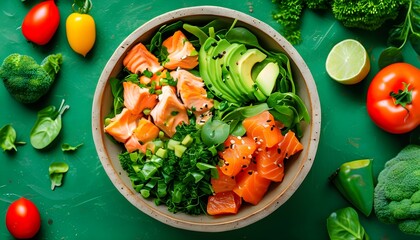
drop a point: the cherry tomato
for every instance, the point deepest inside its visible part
(80, 28)
(23, 219)
(41, 22)
(393, 98)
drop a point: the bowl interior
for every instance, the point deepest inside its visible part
(296, 168)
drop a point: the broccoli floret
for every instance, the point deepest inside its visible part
(366, 14)
(25, 79)
(397, 193)
(318, 4)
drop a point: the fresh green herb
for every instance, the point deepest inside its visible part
(344, 224)
(8, 138)
(181, 183)
(65, 147)
(56, 172)
(409, 30)
(47, 126)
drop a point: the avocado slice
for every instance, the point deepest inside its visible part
(245, 65)
(267, 77)
(215, 68)
(228, 76)
(231, 65)
(204, 57)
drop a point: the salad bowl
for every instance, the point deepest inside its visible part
(296, 168)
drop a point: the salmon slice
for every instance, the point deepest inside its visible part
(133, 144)
(290, 145)
(263, 129)
(181, 53)
(250, 185)
(237, 154)
(223, 203)
(139, 59)
(169, 112)
(269, 164)
(146, 131)
(137, 99)
(190, 89)
(122, 126)
(223, 183)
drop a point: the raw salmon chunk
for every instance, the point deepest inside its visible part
(223, 203)
(139, 59)
(122, 126)
(137, 99)
(263, 129)
(222, 183)
(181, 53)
(237, 154)
(169, 112)
(190, 89)
(250, 185)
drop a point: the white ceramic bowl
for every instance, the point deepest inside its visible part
(296, 169)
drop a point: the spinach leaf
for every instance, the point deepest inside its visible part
(214, 132)
(56, 172)
(344, 224)
(8, 138)
(47, 126)
(390, 55)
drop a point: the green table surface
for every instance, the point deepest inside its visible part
(88, 206)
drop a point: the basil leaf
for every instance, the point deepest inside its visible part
(344, 224)
(390, 55)
(56, 172)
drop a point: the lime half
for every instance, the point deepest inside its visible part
(348, 62)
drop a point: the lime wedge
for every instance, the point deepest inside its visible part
(348, 62)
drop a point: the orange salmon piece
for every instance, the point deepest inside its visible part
(269, 164)
(223, 203)
(191, 90)
(223, 183)
(137, 99)
(263, 129)
(169, 112)
(237, 154)
(290, 145)
(146, 131)
(139, 59)
(251, 186)
(181, 53)
(122, 126)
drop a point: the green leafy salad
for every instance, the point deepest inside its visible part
(240, 78)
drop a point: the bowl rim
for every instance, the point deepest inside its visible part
(215, 11)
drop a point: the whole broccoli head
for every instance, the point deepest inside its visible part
(25, 79)
(366, 14)
(397, 193)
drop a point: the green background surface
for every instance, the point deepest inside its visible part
(88, 206)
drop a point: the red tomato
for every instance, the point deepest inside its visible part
(23, 219)
(41, 22)
(393, 98)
